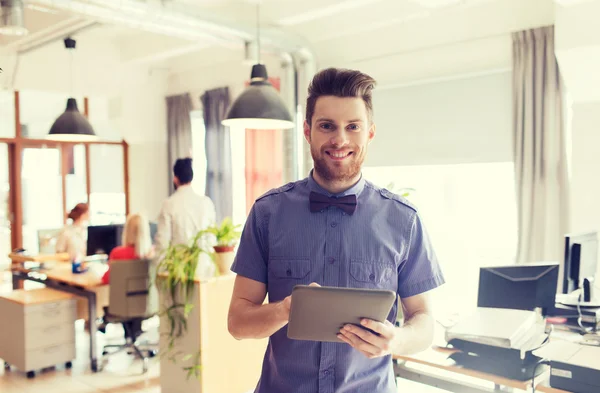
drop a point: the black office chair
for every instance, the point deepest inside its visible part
(132, 300)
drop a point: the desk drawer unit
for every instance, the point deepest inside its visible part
(38, 329)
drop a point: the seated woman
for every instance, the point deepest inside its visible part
(136, 242)
(73, 238)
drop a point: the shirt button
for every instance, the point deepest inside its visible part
(333, 224)
(289, 272)
(331, 260)
(326, 372)
(372, 277)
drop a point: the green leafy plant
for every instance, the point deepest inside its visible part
(226, 233)
(405, 192)
(175, 278)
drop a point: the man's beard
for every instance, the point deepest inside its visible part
(344, 172)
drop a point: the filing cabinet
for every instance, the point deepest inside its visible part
(37, 329)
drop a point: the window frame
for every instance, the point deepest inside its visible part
(15, 147)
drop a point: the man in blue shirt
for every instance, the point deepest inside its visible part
(334, 229)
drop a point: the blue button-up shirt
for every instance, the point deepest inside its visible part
(382, 245)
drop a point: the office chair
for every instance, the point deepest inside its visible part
(132, 300)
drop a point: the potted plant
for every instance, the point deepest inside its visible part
(226, 237)
(175, 275)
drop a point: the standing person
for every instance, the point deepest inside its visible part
(184, 213)
(73, 238)
(334, 228)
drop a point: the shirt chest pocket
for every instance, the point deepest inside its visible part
(285, 274)
(364, 274)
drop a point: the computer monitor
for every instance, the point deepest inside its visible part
(101, 239)
(519, 287)
(581, 260)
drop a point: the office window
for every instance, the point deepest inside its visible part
(107, 185)
(42, 194)
(75, 175)
(5, 213)
(470, 213)
(238, 142)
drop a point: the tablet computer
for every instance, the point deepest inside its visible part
(318, 313)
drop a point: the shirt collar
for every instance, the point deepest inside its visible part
(356, 189)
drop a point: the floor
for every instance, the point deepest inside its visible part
(121, 373)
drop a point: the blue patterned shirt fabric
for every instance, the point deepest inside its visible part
(383, 245)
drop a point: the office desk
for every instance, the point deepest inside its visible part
(437, 358)
(20, 258)
(61, 278)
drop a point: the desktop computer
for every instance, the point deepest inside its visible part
(519, 287)
(101, 239)
(580, 265)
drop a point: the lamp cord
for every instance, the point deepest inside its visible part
(71, 70)
(258, 30)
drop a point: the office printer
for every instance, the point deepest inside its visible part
(499, 341)
(500, 336)
(573, 367)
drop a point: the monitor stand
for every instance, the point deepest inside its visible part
(583, 297)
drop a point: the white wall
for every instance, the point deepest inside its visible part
(578, 53)
(585, 171)
(143, 121)
(453, 41)
(463, 120)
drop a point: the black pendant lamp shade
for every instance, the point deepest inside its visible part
(71, 125)
(260, 106)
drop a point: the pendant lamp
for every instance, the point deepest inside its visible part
(260, 106)
(71, 125)
(12, 21)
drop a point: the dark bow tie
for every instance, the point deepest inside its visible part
(319, 202)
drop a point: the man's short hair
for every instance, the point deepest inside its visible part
(340, 82)
(183, 170)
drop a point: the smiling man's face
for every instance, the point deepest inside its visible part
(339, 134)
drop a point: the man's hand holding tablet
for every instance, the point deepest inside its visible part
(342, 315)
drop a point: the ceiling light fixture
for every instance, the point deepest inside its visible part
(71, 126)
(12, 20)
(259, 106)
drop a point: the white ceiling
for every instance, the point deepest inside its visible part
(338, 31)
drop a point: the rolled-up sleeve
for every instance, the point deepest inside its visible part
(252, 254)
(420, 270)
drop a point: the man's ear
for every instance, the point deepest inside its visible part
(306, 131)
(372, 130)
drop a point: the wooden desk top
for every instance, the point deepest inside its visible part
(20, 258)
(438, 357)
(62, 272)
(548, 389)
(37, 296)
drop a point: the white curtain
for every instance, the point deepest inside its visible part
(539, 147)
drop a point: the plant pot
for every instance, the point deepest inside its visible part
(224, 257)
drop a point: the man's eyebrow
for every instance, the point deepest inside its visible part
(331, 121)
